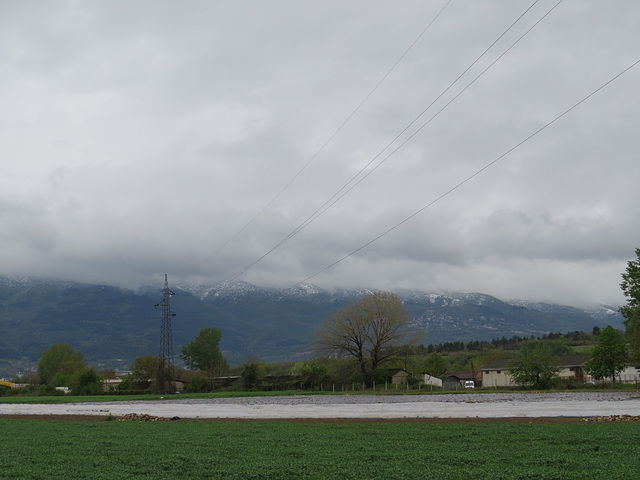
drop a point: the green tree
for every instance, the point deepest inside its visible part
(435, 365)
(61, 361)
(203, 352)
(144, 371)
(310, 373)
(369, 330)
(534, 365)
(558, 347)
(251, 375)
(608, 356)
(86, 382)
(631, 311)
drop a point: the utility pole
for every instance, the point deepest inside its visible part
(165, 374)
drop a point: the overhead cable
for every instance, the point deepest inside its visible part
(345, 188)
(472, 176)
(327, 142)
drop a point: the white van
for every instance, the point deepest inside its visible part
(469, 384)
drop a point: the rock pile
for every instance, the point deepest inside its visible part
(143, 417)
(613, 418)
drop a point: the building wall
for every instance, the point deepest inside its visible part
(431, 380)
(629, 375)
(399, 377)
(496, 378)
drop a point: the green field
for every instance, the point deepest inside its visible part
(284, 450)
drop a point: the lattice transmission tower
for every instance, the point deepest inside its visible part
(165, 376)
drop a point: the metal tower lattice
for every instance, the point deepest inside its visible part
(165, 374)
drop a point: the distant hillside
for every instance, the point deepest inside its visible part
(108, 323)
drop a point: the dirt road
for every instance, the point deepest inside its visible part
(459, 406)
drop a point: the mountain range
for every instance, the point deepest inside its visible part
(112, 325)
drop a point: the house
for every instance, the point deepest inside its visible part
(111, 384)
(573, 366)
(456, 380)
(630, 374)
(496, 374)
(431, 380)
(398, 375)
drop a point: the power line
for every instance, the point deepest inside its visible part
(328, 141)
(410, 137)
(471, 177)
(345, 188)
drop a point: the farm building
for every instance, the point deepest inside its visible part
(456, 380)
(431, 380)
(398, 375)
(496, 373)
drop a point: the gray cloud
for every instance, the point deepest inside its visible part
(139, 138)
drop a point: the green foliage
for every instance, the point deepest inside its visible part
(144, 371)
(59, 362)
(310, 373)
(631, 311)
(558, 347)
(251, 375)
(198, 384)
(534, 365)
(203, 352)
(631, 286)
(435, 365)
(86, 382)
(343, 370)
(286, 450)
(48, 390)
(609, 356)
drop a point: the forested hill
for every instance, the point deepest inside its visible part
(108, 323)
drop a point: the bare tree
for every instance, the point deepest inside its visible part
(368, 330)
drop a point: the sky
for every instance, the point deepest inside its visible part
(444, 146)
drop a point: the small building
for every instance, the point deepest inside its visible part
(456, 380)
(398, 375)
(431, 380)
(630, 374)
(111, 384)
(573, 366)
(496, 374)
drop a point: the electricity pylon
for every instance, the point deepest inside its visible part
(165, 375)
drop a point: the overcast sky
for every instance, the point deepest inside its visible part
(139, 138)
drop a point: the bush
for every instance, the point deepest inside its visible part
(198, 385)
(87, 382)
(251, 375)
(49, 391)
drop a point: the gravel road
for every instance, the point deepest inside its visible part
(467, 405)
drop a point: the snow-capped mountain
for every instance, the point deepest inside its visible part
(273, 324)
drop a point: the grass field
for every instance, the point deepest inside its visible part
(50, 449)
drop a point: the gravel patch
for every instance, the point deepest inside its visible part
(467, 405)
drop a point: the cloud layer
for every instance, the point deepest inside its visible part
(151, 137)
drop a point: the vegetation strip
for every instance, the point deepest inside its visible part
(318, 450)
